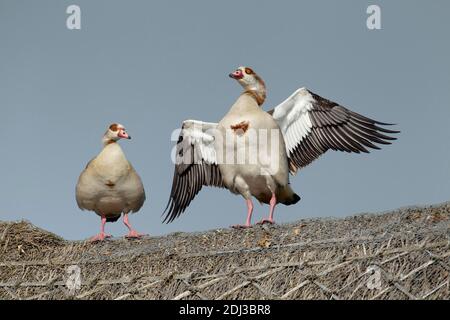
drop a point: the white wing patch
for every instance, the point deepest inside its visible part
(201, 136)
(292, 116)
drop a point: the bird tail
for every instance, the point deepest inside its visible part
(287, 196)
(112, 219)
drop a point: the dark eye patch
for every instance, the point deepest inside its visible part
(114, 127)
(248, 71)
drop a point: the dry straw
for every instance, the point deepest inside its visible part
(403, 254)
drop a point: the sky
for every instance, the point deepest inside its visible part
(149, 65)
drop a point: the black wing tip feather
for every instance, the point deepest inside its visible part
(170, 215)
(175, 210)
(187, 185)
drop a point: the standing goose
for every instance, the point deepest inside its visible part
(109, 185)
(300, 130)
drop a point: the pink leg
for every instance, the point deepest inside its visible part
(273, 203)
(132, 233)
(102, 235)
(248, 223)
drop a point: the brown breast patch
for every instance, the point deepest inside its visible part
(240, 128)
(110, 184)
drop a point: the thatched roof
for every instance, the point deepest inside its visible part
(403, 254)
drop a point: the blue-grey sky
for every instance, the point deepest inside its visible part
(152, 64)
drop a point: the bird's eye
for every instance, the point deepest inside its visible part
(248, 71)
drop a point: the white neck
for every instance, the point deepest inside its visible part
(257, 90)
(107, 141)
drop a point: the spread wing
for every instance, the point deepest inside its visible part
(195, 166)
(311, 125)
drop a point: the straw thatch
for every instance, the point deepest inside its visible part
(403, 254)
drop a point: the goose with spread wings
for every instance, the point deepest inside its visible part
(252, 152)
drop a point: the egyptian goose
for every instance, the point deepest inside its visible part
(109, 185)
(299, 130)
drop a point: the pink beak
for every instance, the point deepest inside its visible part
(237, 75)
(124, 135)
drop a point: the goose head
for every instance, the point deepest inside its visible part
(114, 133)
(251, 82)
